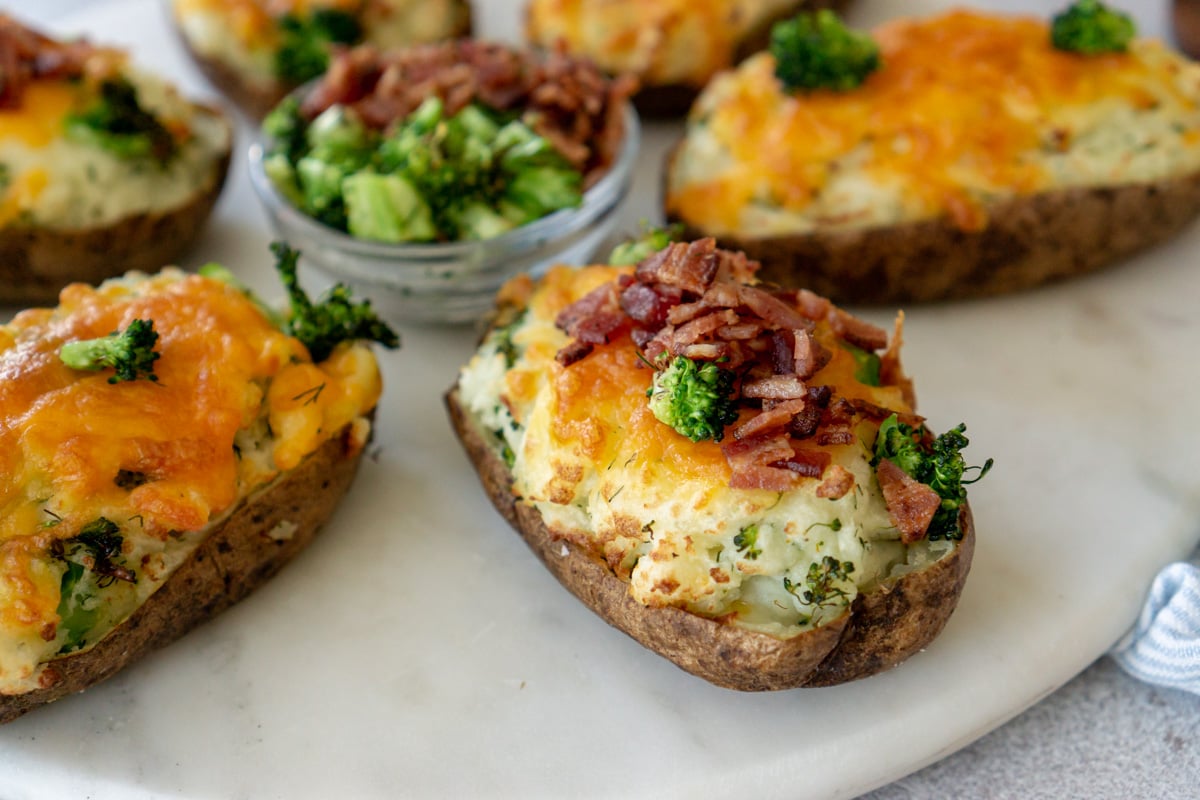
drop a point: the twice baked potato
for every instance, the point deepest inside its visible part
(978, 159)
(732, 475)
(165, 449)
(672, 47)
(256, 51)
(103, 167)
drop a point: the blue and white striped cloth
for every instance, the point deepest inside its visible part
(1164, 646)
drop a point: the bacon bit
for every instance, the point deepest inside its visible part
(593, 317)
(740, 332)
(778, 416)
(688, 266)
(27, 55)
(809, 463)
(809, 356)
(758, 476)
(812, 305)
(835, 434)
(838, 481)
(858, 332)
(771, 309)
(775, 387)
(910, 503)
(650, 305)
(573, 351)
(708, 351)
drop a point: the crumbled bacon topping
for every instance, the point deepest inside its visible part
(26, 55)
(695, 300)
(568, 100)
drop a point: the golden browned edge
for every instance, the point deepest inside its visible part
(256, 100)
(237, 557)
(36, 263)
(881, 630)
(1027, 242)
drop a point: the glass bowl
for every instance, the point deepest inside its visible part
(452, 282)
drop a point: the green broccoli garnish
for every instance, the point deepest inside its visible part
(93, 561)
(821, 581)
(648, 242)
(818, 51)
(118, 123)
(941, 467)
(866, 364)
(696, 400)
(303, 53)
(746, 541)
(1090, 27)
(334, 318)
(129, 352)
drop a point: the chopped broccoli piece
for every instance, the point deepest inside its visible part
(130, 352)
(93, 562)
(696, 400)
(940, 467)
(118, 123)
(866, 364)
(386, 208)
(818, 51)
(540, 190)
(303, 52)
(746, 541)
(821, 582)
(648, 242)
(287, 128)
(1090, 27)
(333, 319)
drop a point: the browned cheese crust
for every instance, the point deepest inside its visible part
(881, 629)
(35, 263)
(1027, 242)
(236, 558)
(256, 100)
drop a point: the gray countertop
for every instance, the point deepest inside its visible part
(1103, 734)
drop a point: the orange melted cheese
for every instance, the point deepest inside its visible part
(601, 410)
(67, 435)
(963, 94)
(255, 21)
(38, 120)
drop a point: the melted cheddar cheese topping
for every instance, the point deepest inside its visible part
(966, 109)
(663, 42)
(606, 475)
(236, 403)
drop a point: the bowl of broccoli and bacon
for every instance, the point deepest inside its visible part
(437, 172)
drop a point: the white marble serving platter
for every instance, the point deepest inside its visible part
(419, 650)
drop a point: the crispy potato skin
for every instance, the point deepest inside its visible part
(236, 558)
(35, 263)
(255, 100)
(1027, 242)
(881, 629)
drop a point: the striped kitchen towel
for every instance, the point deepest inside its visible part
(1164, 646)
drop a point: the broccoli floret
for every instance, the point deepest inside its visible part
(941, 467)
(817, 51)
(694, 399)
(118, 123)
(648, 242)
(821, 582)
(129, 352)
(746, 541)
(303, 51)
(93, 561)
(287, 128)
(334, 318)
(1090, 27)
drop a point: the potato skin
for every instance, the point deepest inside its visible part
(880, 630)
(256, 100)
(35, 263)
(236, 558)
(1027, 242)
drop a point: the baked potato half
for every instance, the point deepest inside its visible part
(103, 167)
(979, 159)
(730, 474)
(256, 51)
(166, 447)
(672, 47)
